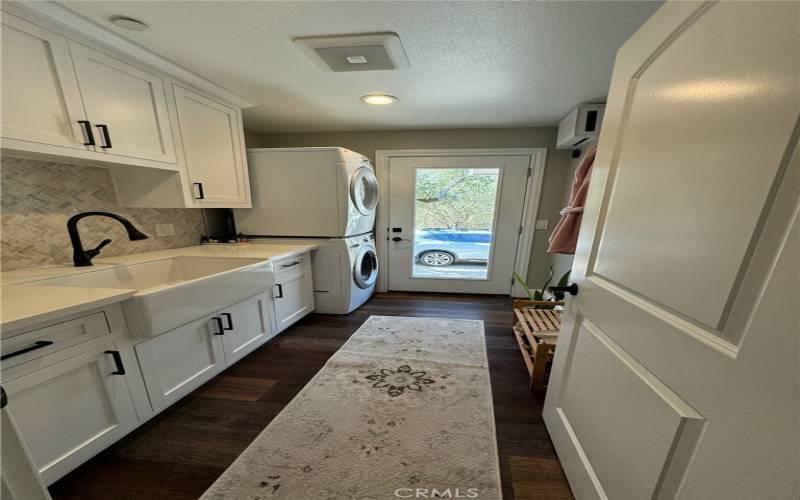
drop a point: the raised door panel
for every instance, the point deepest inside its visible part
(42, 103)
(130, 102)
(659, 200)
(677, 361)
(212, 145)
(179, 361)
(294, 297)
(71, 410)
(249, 326)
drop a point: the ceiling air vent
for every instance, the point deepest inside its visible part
(366, 52)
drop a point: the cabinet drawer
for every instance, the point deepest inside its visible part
(37, 343)
(290, 264)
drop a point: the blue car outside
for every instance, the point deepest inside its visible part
(443, 247)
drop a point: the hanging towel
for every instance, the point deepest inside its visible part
(565, 235)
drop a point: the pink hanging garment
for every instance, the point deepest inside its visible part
(565, 235)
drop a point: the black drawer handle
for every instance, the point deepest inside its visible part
(36, 345)
(230, 321)
(291, 264)
(200, 194)
(118, 362)
(280, 291)
(220, 326)
(87, 129)
(106, 136)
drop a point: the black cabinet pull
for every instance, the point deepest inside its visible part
(36, 345)
(200, 194)
(291, 264)
(87, 129)
(572, 289)
(230, 321)
(220, 326)
(106, 136)
(118, 362)
(280, 291)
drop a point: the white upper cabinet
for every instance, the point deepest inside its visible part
(41, 100)
(126, 105)
(213, 148)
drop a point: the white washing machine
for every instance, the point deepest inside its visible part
(345, 271)
(316, 192)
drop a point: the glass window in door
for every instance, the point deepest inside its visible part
(454, 220)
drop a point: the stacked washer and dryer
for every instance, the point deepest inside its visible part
(326, 196)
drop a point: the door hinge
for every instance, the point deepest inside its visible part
(520, 229)
(529, 172)
(512, 281)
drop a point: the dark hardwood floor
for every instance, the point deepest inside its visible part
(179, 453)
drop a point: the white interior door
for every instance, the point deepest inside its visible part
(676, 374)
(454, 222)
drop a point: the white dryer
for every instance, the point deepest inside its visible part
(345, 271)
(316, 192)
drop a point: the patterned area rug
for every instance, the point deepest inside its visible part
(402, 410)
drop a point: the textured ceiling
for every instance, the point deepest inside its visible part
(473, 64)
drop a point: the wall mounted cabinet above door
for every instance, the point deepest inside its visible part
(213, 148)
(126, 106)
(41, 103)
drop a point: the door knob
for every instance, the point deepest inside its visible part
(559, 291)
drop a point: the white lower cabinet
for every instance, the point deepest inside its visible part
(69, 411)
(179, 361)
(293, 295)
(247, 325)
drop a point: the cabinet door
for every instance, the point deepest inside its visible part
(212, 145)
(179, 361)
(293, 297)
(41, 103)
(71, 410)
(128, 101)
(249, 326)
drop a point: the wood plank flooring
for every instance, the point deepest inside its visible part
(179, 453)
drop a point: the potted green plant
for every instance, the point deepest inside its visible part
(543, 294)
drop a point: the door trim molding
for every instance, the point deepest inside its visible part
(533, 190)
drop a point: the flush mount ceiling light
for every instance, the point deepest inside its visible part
(129, 23)
(378, 99)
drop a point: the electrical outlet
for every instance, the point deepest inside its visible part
(165, 230)
(542, 224)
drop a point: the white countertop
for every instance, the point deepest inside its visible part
(23, 304)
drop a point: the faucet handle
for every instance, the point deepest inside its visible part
(94, 252)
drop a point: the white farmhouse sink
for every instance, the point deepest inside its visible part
(176, 291)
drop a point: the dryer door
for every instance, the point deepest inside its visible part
(364, 190)
(365, 268)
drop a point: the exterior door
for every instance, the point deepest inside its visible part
(45, 106)
(454, 222)
(676, 373)
(128, 101)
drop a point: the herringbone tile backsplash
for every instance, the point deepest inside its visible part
(38, 197)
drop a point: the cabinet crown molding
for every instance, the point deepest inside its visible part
(58, 16)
